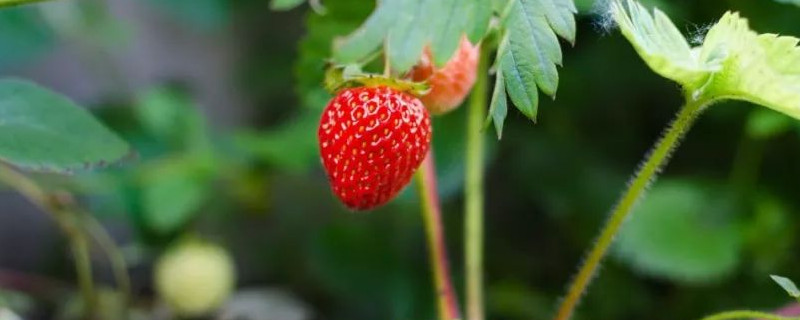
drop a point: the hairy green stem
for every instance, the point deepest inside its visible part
(69, 224)
(432, 215)
(12, 3)
(747, 314)
(473, 194)
(647, 172)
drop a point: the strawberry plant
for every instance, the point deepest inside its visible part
(380, 87)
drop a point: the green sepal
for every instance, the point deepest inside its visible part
(339, 77)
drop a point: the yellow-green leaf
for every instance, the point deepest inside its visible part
(733, 62)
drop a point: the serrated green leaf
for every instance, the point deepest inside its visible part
(763, 69)
(660, 44)
(409, 35)
(788, 285)
(480, 12)
(533, 44)
(283, 5)
(449, 30)
(680, 232)
(370, 35)
(42, 130)
(498, 107)
(561, 16)
(733, 63)
(520, 81)
(529, 52)
(765, 124)
(407, 26)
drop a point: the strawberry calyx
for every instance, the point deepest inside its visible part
(339, 77)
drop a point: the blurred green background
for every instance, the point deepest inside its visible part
(221, 99)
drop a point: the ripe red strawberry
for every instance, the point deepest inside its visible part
(371, 140)
(451, 83)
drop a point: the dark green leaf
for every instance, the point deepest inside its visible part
(285, 4)
(681, 231)
(42, 130)
(788, 285)
(534, 45)
(498, 107)
(530, 52)
(520, 81)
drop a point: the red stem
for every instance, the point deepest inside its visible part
(445, 295)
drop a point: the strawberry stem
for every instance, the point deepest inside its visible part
(473, 194)
(646, 175)
(432, 215)
(67, 220)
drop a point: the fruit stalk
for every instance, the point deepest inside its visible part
(637, 187)
(473, 194)
(432, 216)
(67, 221)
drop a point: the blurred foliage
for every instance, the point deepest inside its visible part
(201, 14)
(723, 218)
(683, 231)
(24, 36)
(795, 2)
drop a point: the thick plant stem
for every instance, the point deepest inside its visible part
(473, 194)
(432, 216)
(647, 172)
(747, 314)
(68, 221)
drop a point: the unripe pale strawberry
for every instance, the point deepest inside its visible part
(451, 83)
(371, 140)
(195, 278)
